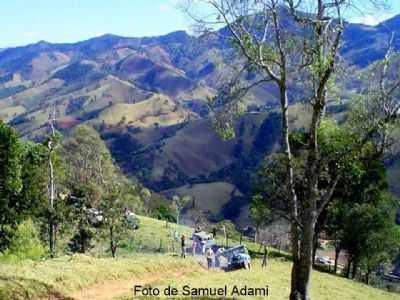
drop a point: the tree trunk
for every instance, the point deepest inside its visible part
(51, 206)
(51, 235)
(349, 263)
(337, 254)
(50, 146)
(160, 246)
(300, 288)
(315, 248)
(225, 237)
(113, 249)
(302, 268)
(355, 267)
(55, 229)
(83, 243)
(367, 277)
(113, 246)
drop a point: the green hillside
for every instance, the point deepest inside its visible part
(88, 277)
(277, 277)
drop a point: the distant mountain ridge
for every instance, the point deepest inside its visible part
(148, 99)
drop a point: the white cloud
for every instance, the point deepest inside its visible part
(29, 34)
(165, 7)
(171, 4)
(370, 19)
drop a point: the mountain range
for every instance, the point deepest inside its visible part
(147, 97)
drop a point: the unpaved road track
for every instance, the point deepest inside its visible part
(119, 288)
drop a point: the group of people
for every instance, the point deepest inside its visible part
(213, 259)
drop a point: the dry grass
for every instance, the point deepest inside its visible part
(277, 277)
(62, 277)
(59, 277)
(209, 196)
(158, 109)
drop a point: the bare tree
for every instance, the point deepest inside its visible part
(51, 145)
(286, 42)
(376, 112)
(180, 202)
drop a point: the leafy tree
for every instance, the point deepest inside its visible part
(90, 169)
(25, 244)
(24, 183)
(34, 178)
(163, 211)
(95, 182)
(84, 233)
(10, 183)
(259, 31)
(114, 210)
(260, 213)
(228, 230)
(179, 202)
(384, 236)
(370, 234)
(338, 151)
(53, 214)
(362, 182)
(89, 161)
(362, 214)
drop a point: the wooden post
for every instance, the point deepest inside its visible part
(160, 247)
(225, 236)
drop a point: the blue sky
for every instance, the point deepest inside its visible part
(28, 21)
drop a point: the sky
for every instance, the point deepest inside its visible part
(28, 21)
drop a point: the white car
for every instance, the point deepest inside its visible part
(324, 261)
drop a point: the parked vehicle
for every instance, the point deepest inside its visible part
(326, 261)
(238, 257)
(131, 219)
(203, 238)
(95, 217)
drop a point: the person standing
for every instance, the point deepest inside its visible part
(209, 256)
(194, 246)
(218, 257)
(183, 245)
(265, 257)
(203, 247)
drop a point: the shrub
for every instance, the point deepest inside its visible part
(25, 244)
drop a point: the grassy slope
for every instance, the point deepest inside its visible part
(157, 109)
(151, 231)
(209, 196)
(197, 149)
(277, 277)
(60, 277)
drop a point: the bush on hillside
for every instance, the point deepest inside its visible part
(25, 244)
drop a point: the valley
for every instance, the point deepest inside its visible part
(147, 97)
